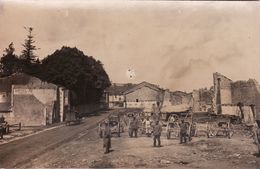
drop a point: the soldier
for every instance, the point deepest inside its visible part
(107, 138)
(134, 127)
(1, 131)
(157, 130)
(2, 123)
(183, 132)
(147, 124)
(2, 119)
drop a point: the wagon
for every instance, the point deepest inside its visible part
(202, 127)
(221, 127)
(116, 126)
(172, 128)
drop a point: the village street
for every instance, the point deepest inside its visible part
(80, 147)
(18, 152)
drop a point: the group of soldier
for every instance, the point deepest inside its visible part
(156, 129)
(151, 125)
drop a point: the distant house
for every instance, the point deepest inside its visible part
(115, 94)
(144, 95)
(27, 99)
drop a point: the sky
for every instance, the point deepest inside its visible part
(177, 45)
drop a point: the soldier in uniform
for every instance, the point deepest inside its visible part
(134, 127)
(2, 123)
(157, 130)
(2, 119)
(107, 138)
(183, 132)
(147, 124)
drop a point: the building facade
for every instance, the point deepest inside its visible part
(144, 95)
(32, 102)
(114, 95)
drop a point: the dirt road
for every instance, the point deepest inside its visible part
(82, 148)
(213, 153)
(16, 153)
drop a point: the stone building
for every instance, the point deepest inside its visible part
(115, 94)
(28, 100)
(144, 95)
(240, 98)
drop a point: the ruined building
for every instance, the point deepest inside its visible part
(203, 100)
(240, 98)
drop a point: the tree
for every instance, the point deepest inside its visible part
(29, 62)
(28, 52)
(9, 62)
(76, 71)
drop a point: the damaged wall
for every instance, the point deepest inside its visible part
(224, 84)
(177, 101)
(202, 100)
(232, 93)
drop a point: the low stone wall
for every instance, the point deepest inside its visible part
(89, 108)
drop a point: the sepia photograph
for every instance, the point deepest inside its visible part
(129, 84)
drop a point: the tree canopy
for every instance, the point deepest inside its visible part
(76, 71)
(68, 67)
(9, 62)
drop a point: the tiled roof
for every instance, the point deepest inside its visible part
(143, 84)
(119, 89)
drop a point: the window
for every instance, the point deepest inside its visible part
(137, 100)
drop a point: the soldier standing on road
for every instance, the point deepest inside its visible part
(2, 119)
(183, 132)
(147, 124)
(157, 130)
(134, 127)
(107, 137)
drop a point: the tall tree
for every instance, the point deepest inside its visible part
(74, 70)
(28, 52)
(9, 62)
(29, 61)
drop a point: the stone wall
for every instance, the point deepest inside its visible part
(244, 92)
(202, 100)
(223, 84)
(143, 94)
(247, 93)
(34, 106)
(231, 93)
